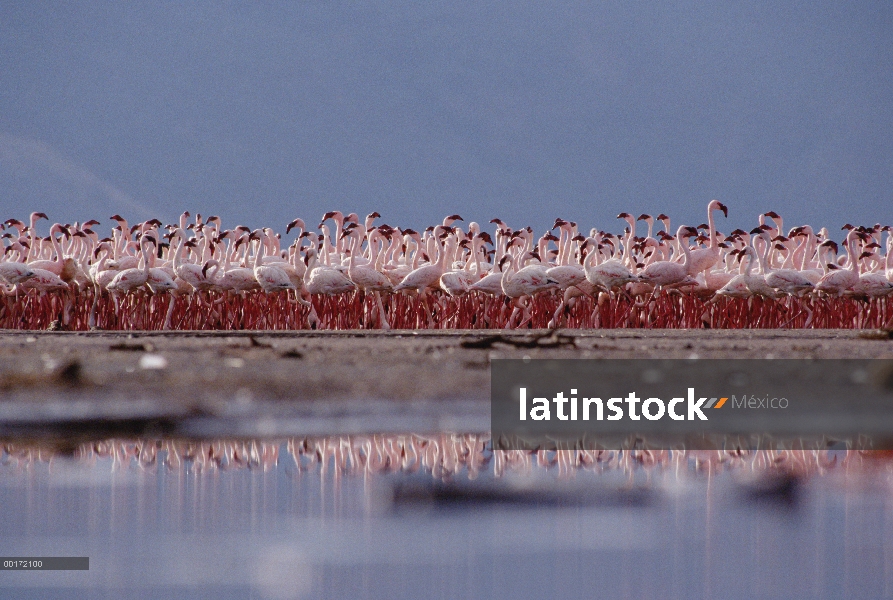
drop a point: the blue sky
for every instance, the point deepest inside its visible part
(262, 112)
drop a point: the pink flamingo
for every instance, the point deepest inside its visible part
(665, 273)
(837, 281)
(702, 259)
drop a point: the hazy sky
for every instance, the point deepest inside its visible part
(262, 112)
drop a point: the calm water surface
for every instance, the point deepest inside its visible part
(440, 517)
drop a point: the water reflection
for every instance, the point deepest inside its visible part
(392, 516)
(441, 455)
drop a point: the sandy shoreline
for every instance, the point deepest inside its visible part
(274, 383)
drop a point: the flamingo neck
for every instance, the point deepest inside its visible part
(476, 248)
(353, 249)
(214, 269)
(444, 248)
(625, 257)
(749, 266)
(374, 250)
(888, 262)
(683, 245)
(259, 254)
(57, 247)
(311, 263)
(106, 253)
(589, 261)
(764, 255)
(711, 230)
(562, 247)
(508, 275)
(229, 255)
(178, 255)
(339, 241)
(851, 254)
(325, 245)
(812, 255)
(789, 259)
(144, 258)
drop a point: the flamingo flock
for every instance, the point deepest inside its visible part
(351, 273)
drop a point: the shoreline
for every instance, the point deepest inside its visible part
(78, 385)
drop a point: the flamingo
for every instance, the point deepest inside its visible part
(837, 281)
(270, 276)
(787, 279)
(188, 272)
(15, 272)
(664, 273)
(888, 264)
(130, 280)
(608, 275)
(324, 280)
(702, 259)
(737, 286)
(366, 278)
(61, 266)
(428, 276)
(44, 281)
(874, 285)
(524, 282)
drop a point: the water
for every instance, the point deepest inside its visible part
(439, 517)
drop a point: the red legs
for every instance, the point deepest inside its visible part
(522, 308)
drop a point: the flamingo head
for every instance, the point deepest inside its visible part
(296, 223)
(486, 237)
(332, 214)
(717, 205)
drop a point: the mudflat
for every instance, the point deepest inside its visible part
(281, 383)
